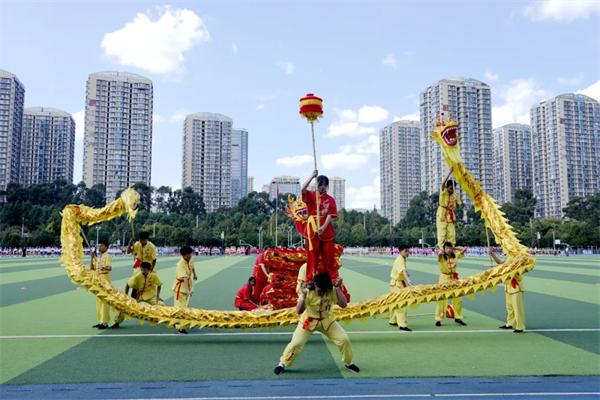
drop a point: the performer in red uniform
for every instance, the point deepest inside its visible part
(247, 298)
(259, 271)
(322, 241)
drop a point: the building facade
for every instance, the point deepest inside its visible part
(12, 99)
(565, 143)
(285, 185)
(512, 161)
(337, 189)
(207, 158)
(400, 167)
(47, 146)
(467, 101)
(118, 131)
(250, 184)
(239, 165)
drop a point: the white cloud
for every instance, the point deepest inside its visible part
(260, 107)
(416, 116)
(369, 146)
(157, 118)
(287, 67)
(179, 116)
(561, 10)
(390, 61)
(234, 48)
(352, 156)
(353, 123)
(593, 90)
(342, 160)
(372, 114)
(156, 45)
(518, 98)
(294, 161)
(79, 118)
(348, 129)
(490, 76)
(570, 81)
(364, 196)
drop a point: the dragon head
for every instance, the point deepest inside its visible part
(446, 133)
(296, 209)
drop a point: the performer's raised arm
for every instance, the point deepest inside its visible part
(309, 180)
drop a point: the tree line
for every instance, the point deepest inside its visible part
(30, 216)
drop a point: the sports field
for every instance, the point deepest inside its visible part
(46, 335)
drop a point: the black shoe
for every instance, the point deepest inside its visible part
(505, 327)
(96, 326)
(518, 331)
(392, 324)
(115, 326)
(352, 367)
(405, 328)
(460, 322)
(102, 326)
(438, 323)
(182, 331)
(279, 369)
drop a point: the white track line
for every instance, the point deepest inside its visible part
(391, 332)
(386, 396)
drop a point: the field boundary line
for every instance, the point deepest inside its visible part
(391, 332)
(386, 396)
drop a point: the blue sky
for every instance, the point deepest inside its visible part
(252, 61)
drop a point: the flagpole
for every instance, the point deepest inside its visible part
(276, 210)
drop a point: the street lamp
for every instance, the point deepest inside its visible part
(260, 242)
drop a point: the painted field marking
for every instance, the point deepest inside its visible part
(391, 332)
(387, 396)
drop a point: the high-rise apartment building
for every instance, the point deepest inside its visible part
(250, 184)
(565, 132)
(337, 189)
(207, 158)
(12, 98)
(239, 165)
(467, 101)
(512, 161)
(118, 131)
(47, 146)
(284, 184)
(400, 167)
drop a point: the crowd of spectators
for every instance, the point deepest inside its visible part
(116, 250)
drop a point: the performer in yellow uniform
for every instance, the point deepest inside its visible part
(515, 302)
(445, 218)
(183, 285)
(143, 250)
(447, 261)
(399, 280)
(102, 265)
(147, 287)
(315, 306)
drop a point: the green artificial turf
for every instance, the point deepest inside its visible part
(37, 298)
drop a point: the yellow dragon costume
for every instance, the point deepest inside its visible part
(518, 262)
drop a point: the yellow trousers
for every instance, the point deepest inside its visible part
(102, 309)
(335, 332)
(446, 232)
(398, 315)
(440, 307)
(182, 301)
(515, 310)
